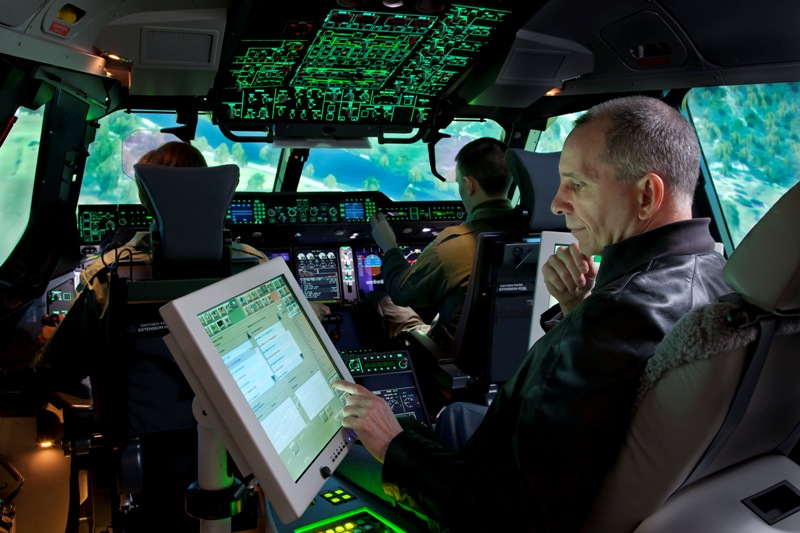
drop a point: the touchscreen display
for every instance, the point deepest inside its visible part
(281, 367)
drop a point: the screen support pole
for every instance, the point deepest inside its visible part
(212, 466)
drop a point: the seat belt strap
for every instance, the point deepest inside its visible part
(740, 401)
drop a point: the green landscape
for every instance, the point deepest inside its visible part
(751, 142)
(750, 136)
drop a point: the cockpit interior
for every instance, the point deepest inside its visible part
(332, 111)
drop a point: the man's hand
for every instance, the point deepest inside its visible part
(569, 276)
(382, 232)
(320, 310)
(370, 417)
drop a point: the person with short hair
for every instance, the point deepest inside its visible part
(537, 460)
(440, 275)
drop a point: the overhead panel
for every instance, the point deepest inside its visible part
(354, 68)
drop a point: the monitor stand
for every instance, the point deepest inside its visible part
(216, 495)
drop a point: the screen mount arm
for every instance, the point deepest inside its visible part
(216, 495)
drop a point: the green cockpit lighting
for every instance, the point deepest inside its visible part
(357, 67)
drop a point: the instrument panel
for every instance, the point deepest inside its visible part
(324, 237)
(270, 220)
(96, 223)
(327, 208)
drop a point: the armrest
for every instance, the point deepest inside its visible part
(66, 401)
(418, 340)
(428, 356)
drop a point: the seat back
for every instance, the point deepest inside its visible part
(721, 389)
(142, 398)
(491, 338)
(536, 176)
(189, 207)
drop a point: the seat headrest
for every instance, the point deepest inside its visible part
(189, 208)
(765, 267)
(536, 175)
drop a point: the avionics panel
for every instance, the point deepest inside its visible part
(389, 375)
(326, 208)
(317, 272)
(350, 68)
(98, 222)
(268, 220)
(294, 209)
(369, 262)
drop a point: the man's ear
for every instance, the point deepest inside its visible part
(470, 183)
(651, 195)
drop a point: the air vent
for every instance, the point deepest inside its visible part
(175, 47)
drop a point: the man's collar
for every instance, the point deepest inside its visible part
(678, 238)
(490, 208)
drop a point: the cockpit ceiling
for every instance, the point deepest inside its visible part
(668, 44)
(305, 68)
(740, 33)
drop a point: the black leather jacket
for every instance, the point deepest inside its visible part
(555, 428)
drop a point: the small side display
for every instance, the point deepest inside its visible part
(354, 211)
(286, 255)
(369, 261)
(262, 367)
(317, 272)
(242, 211)
(59, 296)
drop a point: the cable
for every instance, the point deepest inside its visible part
(15, 473)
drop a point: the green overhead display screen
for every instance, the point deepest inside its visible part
(355, 67)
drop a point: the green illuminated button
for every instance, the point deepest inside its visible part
(337, 496)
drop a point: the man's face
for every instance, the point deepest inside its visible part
(599, 210)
